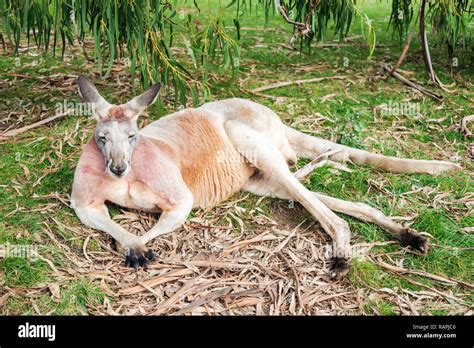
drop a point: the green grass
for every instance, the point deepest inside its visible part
(351, 122)
(21, 272)
(75, 298)
(380, 307)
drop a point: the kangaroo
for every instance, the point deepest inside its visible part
(198, 157)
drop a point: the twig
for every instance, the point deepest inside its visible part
(161, 279)
(329, 45)
(203, 300)
(304, 172)
(413, 84)
(318, 162)
(150, 289)
(49, 262)
(442, 294)
(297, 280)
(423, 274)
(287, 239)
(14, 132)
(84, 249)
(297, 82)
(328, 297)
(260, 238)
(258, 94)
(177, 296)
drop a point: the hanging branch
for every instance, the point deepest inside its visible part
(426, 50)
(78, 37)
(309, 15)
(405, 49)
(303, 28)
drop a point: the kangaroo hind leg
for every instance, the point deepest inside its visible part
(308, 146)
(266, 157)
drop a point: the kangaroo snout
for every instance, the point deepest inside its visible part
(118, 169)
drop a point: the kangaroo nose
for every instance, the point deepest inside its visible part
(118, 170)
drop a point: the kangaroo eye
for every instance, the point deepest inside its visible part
(131, 136)
(102, 139)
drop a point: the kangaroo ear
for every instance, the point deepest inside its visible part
(141, 102)
(90, 95)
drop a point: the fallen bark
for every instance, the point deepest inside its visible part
(14, 132)
(397, 269)
(297, 82)
(413, 84)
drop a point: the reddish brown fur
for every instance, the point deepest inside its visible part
(116, 113)
(211, 168)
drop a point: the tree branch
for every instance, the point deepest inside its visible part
(426, 50)
(405, 49)
(303, 28)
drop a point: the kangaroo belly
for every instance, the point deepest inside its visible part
(210, 166)
(217, 177)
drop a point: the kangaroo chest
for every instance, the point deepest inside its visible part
(154, 182)
(132, 194)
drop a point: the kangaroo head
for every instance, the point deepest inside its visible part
(116, 133)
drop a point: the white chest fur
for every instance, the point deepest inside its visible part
(132, 194)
